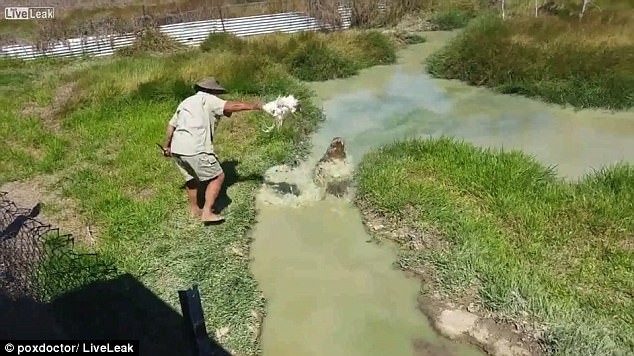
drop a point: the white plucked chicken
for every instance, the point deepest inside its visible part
(279, 108)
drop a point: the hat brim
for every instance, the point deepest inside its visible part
(210, 85)
(215, 89)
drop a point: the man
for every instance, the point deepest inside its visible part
(190, 136)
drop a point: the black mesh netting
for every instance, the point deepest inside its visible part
(36, 260)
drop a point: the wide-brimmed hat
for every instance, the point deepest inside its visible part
(210, 84)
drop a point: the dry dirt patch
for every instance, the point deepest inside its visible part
(64, 213)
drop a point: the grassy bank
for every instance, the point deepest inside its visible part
(93, 125)
(560, 59)
(310, 56)
(530, 245)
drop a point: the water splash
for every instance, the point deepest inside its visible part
(309, 182)
(300, 186)
(305, 190)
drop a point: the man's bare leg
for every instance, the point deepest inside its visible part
(191, 186)
(211, 193)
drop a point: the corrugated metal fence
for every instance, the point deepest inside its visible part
(188, 33)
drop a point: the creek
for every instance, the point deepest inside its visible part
(329, 290)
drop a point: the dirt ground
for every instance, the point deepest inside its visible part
(57, 210)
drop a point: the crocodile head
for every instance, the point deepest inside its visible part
(336, 150)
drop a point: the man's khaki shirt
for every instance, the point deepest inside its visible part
(194, 120)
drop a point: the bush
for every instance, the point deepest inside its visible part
(560, 60)
(316, 61)
(451, 19)
(222, 40)
(376, 48)
(150, 41)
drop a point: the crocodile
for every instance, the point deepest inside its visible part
(333, 171)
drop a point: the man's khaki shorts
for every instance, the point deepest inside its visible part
(203, 166)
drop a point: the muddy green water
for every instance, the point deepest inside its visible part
(329, 291)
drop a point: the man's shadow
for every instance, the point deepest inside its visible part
(231, 177)
(117, 308)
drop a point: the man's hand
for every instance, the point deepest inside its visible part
(167, 152)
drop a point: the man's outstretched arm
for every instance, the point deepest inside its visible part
(235, 106)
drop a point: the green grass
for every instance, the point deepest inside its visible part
(102, 149)
(559, 59)
(29, 146)
(560, 253)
